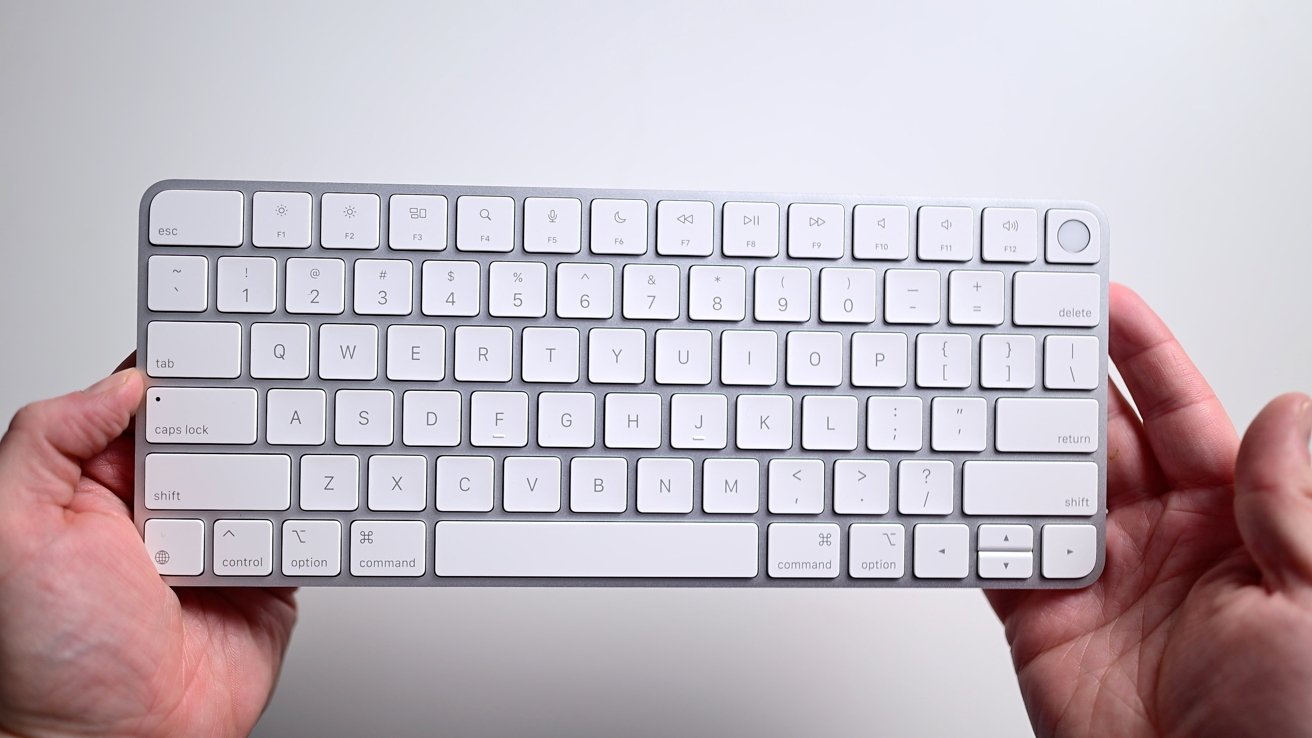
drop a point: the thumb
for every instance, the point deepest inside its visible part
(1273, 491)
(48, 440)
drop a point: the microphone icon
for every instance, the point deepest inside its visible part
(551, 216)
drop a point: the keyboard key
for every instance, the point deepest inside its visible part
(485, 223)
(197, 218)
(451, 288)
(177, 546)
(598, 485)
(731, 486)
(617, 356)
(517, 289)
(717, 293)
(894, 423)
(829, 423)
(861, 487)
(209, 350)
(382, 287)
(416, 353)
(651, 292)
(281, 220)
(280, 351)
(975, 298)
(619, 227)
(783, 294)
(1057, 299)
(632, 420)
(879, 360)
(247, 285)
(764, 422)
(943, 360)
(398, 482)
(316, 286)
(847, 295)
(815, 359)
(665, 485)
(1071, 362)
(750, 229)
(348, 221)
(959, 424)
(683, 357)
(550, 355)
(585, 291)
(945, 234)
(796, 486)
(1006, 564)
(364, 417)
(684, 228)
(348, 351)
(295, 417)
(698, 421)
(942, 551)
(177, 284)
(880, 232)
(389, 548)
(498, 419)
(483, 353)
(804, 550)
(330, 482)
(925, 487)
(218, 481)
(749, 357)
(1069, 551)
(877, 551)
(243, 548)
(552, 225)
(911, 296)
(531, 484)
(1011, 234)
(1047, 425)
(815, 231)
(1006, 361)
(416, 223)
(312, 548)
(464, 483)
(1029, 488)
(431, 418)
(1073, 237)
(1005, 537)
(210, 415)
(568, 549)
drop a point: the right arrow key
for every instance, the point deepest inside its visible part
(1069, 551)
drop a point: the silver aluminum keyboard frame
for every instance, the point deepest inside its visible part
(762, 518)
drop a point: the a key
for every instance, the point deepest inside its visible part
(749, 357)
(651, 292)
(598, 485)
(498, 419)
(1071, 362)
(348, 351)
(1056, 299)
(876, 551)
(247, 284)
(717, 293)
(311, 548)
(178, 284)
(316, 286)
(483, 353)
(550, 355)
(177, 349)
(177, 546)
(632, 420)
(585, 291)
(281, 220)
(829, 423)
(894, 423)
(451, 288)
(750, 229)
(1005, 564)
(363, 417)
(958, 424)
(684, 228)
(698, 421)
(1006, 361)
(416, 353)
(1073, 237)
(617, 355)
(464, 483)
(879, 359)
(329, 482)
(243, 548)
(664, 485)
(941, 551)
(485, 223)
(1069, 551)
(211, 415)
(295, 417)
(975, 298)
(619, 227)
(796, 486)
(861, 486)
(348, 221)
(567, 419)
(925, 487)
(683, 357)
(880, 232)
(197, 218)
(815, 231)
(1045, 425)
(943, 360)
(945, 234)
(783, 294)
(382, 287)
(218, 481)
(517, 289)
(814, 358)
(847, 295)
(911, 296)
(731, 486)
(552, 225)
(804, 550)
(398, 483)
(1005, 537)
(764, 422)
(1010, 234)
(531, 484)
(1029, 488)
(431, 418)
(389, 548)
(416, 222)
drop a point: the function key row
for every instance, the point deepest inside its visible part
(620, 227)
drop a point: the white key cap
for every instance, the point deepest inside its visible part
(894, 423)
(1056, 299)
(416, 353)
(451, 288)
(567, 419)
(619, 227)
(942, 551)
(218, 481)
(651, 292)
(176, 545)
(633, 420)
(1005, 537)
(975, 298)
(498, 419)
(364, 417)
(879, 360)
(568, 549)
(1006, 361)
(815, 231)
(389, 548)
(398, 483)
(665, 485)
(959, 424)
(1073, 237)
(749, 357)
(383, 287)
(348, 221)
(804, 550)
(1010, 234)
(717, 293)
(416, 222)
(876, 551)
(683, 357)
(210, 350)
(764, 422)
(861, 487)
(247, 284)
(598, 485)
(1069, 551)
(465, 483)
(1047, 425)
(585, 291)
(1006, 564)
(881, 232)
(783, 294)
(550, 355)
(243, 548)
(1071, 362)
(911, 296)
(531, 484)
(945, 234)
(750, 229)
(684, 228)
(731, 486)
(348, 352)
(847, 295)
(517, 289)
(281, 220)
(796, 486)
(483, 353)
(815, 358)
(197, 218)
(1029, 488)
(330, 482)
(295, 417)
(829, 423)
(552, 225)
(430, 418)
(485, 223)
(943, 360)
(698, 421)
(316, 286)
(617, 355)
(200, 415)
(925, 487)
(311, 548)
(177, 284)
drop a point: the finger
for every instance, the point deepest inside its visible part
(1184, 423)
(1132, 473)
(48, 441)
(1273, 491)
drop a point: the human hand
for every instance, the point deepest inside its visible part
(1202, 621)
(92, 642)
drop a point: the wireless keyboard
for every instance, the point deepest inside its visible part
(434, 385)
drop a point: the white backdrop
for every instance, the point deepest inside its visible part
(1186, 121)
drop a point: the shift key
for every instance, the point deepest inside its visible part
(200, 415)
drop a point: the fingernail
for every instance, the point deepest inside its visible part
(109, 383)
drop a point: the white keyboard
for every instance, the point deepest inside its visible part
(429, 385)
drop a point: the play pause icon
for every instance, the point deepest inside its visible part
(751, 220)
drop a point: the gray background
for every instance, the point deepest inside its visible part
(1186, 121)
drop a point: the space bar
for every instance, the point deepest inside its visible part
(600, 549)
